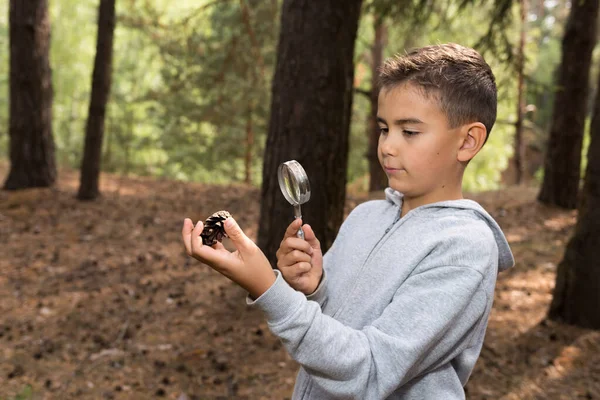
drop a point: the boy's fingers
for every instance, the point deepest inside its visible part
(196, 240)
(201, 252)
(311, 238)
(293, 228)
(186, 233)
(237, 236)
(294, 243)
(296, 270)
(303, 267)
(294, 257)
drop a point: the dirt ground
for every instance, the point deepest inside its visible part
(99, 301)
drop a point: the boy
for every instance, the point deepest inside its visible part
(398, 307)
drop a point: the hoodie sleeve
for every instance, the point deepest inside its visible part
(405, 341)
(320, 293)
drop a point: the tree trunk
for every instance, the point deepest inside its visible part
(377, 178)
(101, 79)
(249, 146)
(310, 116)
(577, 292)
(107, 157)
(519, 156)
(32, 162)
(563, 155)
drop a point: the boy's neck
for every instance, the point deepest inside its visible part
(444, 194)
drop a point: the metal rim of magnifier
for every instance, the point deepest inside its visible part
(300, 178)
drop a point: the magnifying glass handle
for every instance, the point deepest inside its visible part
(298, 214)
(300, 233)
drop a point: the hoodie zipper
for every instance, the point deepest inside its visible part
(388, 229)
(309, 386)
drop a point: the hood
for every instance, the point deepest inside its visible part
(505, 256)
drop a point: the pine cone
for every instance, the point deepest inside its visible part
(214, 231)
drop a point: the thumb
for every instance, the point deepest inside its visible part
(237, 236)
(310, 237)
(292, 229)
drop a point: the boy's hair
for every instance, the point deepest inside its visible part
(458, 76)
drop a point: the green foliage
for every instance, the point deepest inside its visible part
(358, 166)
(416, 14)
(72, 50)
(539, 174)
(187, 79)
(212, 67)
(545, 43)
(585, 147)
(190, 76)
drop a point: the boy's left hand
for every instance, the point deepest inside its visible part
(300, 261)
(247, 266)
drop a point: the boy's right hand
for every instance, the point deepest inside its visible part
(300, 261)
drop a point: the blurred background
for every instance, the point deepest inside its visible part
(118, 119)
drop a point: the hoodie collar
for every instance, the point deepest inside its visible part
(505, 256)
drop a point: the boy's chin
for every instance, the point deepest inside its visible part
(398, 188)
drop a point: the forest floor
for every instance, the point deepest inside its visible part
(99, 300)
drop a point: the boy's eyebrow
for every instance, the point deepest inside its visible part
(401, 121)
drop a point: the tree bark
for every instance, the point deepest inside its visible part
(519, 156)
(249, 146)
(377, 178)
(32, 159)
(310, 116)
(101, 81)
(563, 155)
(576, 297)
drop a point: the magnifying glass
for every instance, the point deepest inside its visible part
(295, 187)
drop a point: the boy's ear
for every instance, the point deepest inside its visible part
(472, 139)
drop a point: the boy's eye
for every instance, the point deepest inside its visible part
(383, 130)
(410, 133)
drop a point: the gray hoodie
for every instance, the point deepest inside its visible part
(403, 306)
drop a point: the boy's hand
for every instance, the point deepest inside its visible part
(300, 261)
(247, 266)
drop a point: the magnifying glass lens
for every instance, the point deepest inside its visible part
(294, 185)
(290, 185)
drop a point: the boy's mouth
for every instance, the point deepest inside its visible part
(390, 170)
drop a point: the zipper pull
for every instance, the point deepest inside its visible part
(389, 228)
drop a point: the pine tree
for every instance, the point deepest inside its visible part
(576, 297)
(32, 159)
(563, 155)
(311, 106)
(101, 81)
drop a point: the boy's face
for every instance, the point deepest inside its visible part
(416, 148)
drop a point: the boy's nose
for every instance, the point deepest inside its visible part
(388, 146)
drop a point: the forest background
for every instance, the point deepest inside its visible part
(186, 73)
(107, 304)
